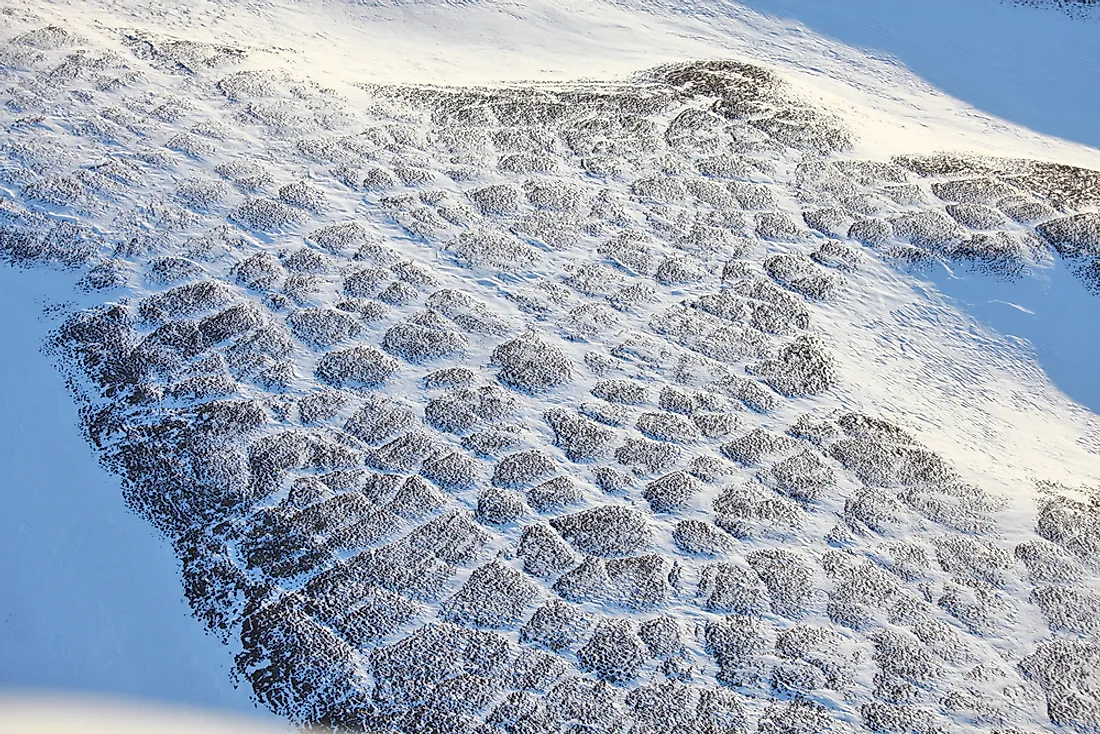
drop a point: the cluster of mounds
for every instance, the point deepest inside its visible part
(508, 452)
(995, 215)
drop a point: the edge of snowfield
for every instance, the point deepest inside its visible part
(984, 400)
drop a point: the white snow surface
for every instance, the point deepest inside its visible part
(999, 377)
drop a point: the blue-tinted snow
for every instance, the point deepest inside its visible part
(90, 598)
(1050, 310)
(1035, 66)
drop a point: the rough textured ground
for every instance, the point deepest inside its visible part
(493, 410)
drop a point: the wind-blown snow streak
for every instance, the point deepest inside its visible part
(530, 408)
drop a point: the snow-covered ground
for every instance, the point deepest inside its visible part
(92, 603)
(565, 223)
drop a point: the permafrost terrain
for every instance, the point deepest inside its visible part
(507, 409)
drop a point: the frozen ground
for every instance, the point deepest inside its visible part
(499, 367)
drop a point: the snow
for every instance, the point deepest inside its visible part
(982, 75)
(1008, 395)
(995, 376)
(1035, 67)
(91, 603)
(1050, 313)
